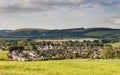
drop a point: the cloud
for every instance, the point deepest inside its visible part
(59, 13)
(23, 6)
(102, 2)
(27, 6)
(113, 21)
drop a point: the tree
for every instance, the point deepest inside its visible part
(96, 41)
(68, 56)
(19, 48)
(20, 43)
(31, 46)
(107, 53)
(117, 53)
(75, 55)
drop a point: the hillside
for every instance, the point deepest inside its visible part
(64, 33)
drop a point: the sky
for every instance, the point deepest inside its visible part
(59, 14)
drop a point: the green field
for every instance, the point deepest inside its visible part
(102, 33)
(60, 67)
(116, 44)
(3, 55)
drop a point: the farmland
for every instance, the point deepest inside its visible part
(60, 33)
(76, 66)
(61, 67)
(3, 55)
(116, 44)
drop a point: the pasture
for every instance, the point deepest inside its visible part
(3, 55)
(67, 39)
(59, 67)
(116, 44)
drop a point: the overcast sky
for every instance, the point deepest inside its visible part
(59, 14)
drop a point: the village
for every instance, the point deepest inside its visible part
(56, 51)
(59, 50)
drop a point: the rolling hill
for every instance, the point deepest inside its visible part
(63, 33)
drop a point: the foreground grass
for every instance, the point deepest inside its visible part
(3, 55)
(61, 67)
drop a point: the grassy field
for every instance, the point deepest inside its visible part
(102, 33)
(60, 67)
(67, 39)
(3, 55)
(116, 44)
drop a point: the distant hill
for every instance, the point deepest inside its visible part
(64, 33)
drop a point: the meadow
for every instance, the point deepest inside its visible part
(116, 44)
(59, 67)
(3, 56)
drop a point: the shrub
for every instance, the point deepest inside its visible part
(107, 53)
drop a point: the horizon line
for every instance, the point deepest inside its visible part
(60, 28)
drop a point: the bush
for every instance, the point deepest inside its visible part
(19, 48)
(75, 55)
(107, 53)
(68, 56)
